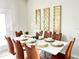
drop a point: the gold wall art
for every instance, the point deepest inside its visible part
(46, 19)
(57, 19)
(38, 19)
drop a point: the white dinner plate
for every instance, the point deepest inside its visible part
(57, 44)
(41, 43)
(49, 39)
(31, 40)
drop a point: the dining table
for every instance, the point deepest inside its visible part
(48, 45)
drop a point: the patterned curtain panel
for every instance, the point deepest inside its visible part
(57, 19)
(46, 19)
(38, 19)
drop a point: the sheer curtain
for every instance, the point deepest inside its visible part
(2, 30)
(6, 17)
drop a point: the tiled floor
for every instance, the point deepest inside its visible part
(6, 55)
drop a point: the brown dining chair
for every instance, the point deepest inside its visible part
(18, 33)
(39, 33)
(67, 55)
(32, 52)
(10, 45)
(47, 34)
(19, 50)
(57, 36)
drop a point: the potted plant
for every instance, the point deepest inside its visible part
(26, 32)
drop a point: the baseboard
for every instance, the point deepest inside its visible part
(75, 57)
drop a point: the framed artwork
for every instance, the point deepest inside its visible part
(57, 19)
(38, 19)
(46, 19)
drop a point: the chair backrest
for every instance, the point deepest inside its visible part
(56, 36)
(47, 34)
(18, 33)
(32, 52)
(27, 49)
(69, 49)
(39, 33)
(19, 50)
(10, 45)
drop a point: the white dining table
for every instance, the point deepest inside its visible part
(22, 37)
(50, 49)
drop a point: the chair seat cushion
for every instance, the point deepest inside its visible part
(58, 56)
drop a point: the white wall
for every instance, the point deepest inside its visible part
(70, 22)
(20, 21)
(70, 19)
(21, 15)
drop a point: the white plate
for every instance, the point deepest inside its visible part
(26, 36)
(57, 44)
(41, 37)
(49, 39)
(41, 44)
